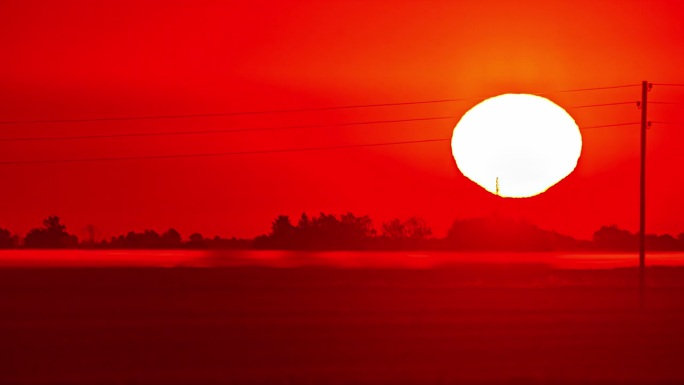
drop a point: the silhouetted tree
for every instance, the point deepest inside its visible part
(171, 238)
(282, 235)
(196, 241)
(7, 240)
(148, 239)
(52, 235)
(413, 228)
(417, 229)
(664, 242)
(351, 232)
(303, 226)
(282, 227)
(615, 238)
(348, 232)
(411, 233)
(229, 243)
(393, 230)
(325, 231)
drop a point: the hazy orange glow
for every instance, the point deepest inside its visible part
(516, 145)
(75, 59)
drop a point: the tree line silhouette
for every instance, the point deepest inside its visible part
(351, 232)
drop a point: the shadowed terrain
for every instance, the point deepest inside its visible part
(255, 325)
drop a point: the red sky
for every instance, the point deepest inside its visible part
(83, 59)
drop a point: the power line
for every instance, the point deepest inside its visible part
(610, 125)
(668, 84)
(278, 111)
(591, 89)
(272, 151)
(667, 103)
(201, 132)
(604, 104)
(216, 154)
(235, 113)
(234, 130)
(670, 123)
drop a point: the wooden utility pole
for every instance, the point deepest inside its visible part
(642, 191)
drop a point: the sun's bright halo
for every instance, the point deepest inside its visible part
(516, 145)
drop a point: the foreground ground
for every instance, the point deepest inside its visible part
(257, 325)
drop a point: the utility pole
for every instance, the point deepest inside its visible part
(642, 192)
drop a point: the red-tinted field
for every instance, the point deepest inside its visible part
(475, 323)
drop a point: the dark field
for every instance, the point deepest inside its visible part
(256, 325)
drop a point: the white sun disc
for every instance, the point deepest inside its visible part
(516, 145)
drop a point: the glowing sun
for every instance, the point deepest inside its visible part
(516, 145)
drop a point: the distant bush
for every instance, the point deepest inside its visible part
(52, 235)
